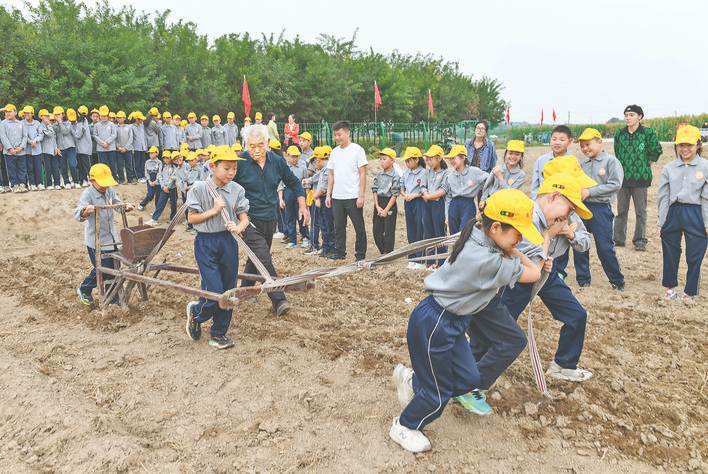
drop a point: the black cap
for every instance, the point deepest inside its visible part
(634, 108)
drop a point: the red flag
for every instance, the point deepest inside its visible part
(377, 96)
(554, 115)
(246, 97)
(541, 116)
(430, 103)
(508, 117)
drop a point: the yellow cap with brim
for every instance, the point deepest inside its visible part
(191, 114)
(434, 150)
(120, 114)
(203, 117)
(9, 108)
(58, 110)
(225, 153)
(103, 110)
(153, 149)
(154, 111)
(306, 136)
(101, 173)
(166, 114)
(166, 154)
(589, 134)
(177, 117)
(568, 164)
(513, 207)
(456, 150)
(293, 151)
(71, 114)
(274, 145)
(177, 153)
(210, 148)
(183, 124)
(570, 188)
(191, 156)
(83, 110)
(183, 146)
(320, 153)
(138, 115)
(230, 115)
(216, 117)
(686, 133)
(237, 147)
(388, 152)
(515, 145)
(42, 112)
(259, 116)
(94, 111)
(112, 114)
(200, 151)
(411, 152)
(247, 119)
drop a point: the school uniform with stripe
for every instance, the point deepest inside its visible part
(415, 208)
(462, 189)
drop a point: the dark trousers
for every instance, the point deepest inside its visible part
(326, 220)
(315, 225)
(34, 170)
(53, 168)
(600, 225)
(434, 226)
(442, 361)
(68, 162)
(496, 341)
(109, 158)
(16, 168)
(259, 236)
(683, 219)
(4, 179)
(90, 282)
(384, 228)
(341, 208)
(414, 210)
(126, 160)
(564, 307)
(639, 197)
(162, 198)
(84, 165)
(461, 211)
(217, 258)
(291, 208)
(561, 262)
(122, 160)
(151, 190)
(139, 163)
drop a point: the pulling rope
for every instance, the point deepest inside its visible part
(533, 351)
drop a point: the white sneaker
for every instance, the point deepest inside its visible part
(40, 187)
(23, 188)
(85, 184)
(33, 187)
(142, 180)
(574, 375)
(412, 266)
(403, 378)
(77, 185)
(278, 235)
(49, 188)
(151, 222)
(411, 440)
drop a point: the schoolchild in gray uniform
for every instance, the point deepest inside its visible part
(683, 209)
(139, 146)
(124, 149)
(215, 249)
(232, 135)
(288, 200)
(33, 130)
(218, 133)
(166, 184)
(561, 138)
(181, 167)
(104, 134)
(94, 120)
(462, 185)
(386, 188)
(67, 147)
(14, 143)
(193, 131)
(170, 133)
(50, 152)
(206, 132)
(509, 174)
(433, 190)
(443, 363)
(414, 205)
(607, 171)
(84, 143)
(177, 121)
(191, 175)
(152, 167)
(100, 193)
(153, 129)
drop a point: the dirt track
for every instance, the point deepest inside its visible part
(311, 392)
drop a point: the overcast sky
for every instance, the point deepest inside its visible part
(589, 59)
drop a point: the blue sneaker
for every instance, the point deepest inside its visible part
(291, 245)
(476, 402)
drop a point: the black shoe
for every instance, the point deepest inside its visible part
(618, 286)
(584, 285)
(194, 329)
(283, 309)
(325, 254)
(220, 342)
(310, 250)
(640, 248)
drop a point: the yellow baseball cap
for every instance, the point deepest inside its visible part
(515, 145)
(138, 115)
(200, 151)
(57, 110)
(28, 108)
(120, 114)
(320, 153)
(177, 117)
(569, 165)
(230, 115)
(166, 114)
(176, 153)
(154, 111)
(103, 110)
(165, 153)
(83, 110)
(513, 207)
(293, 151)
(203, 117)
(102, 175)
(274, 145)
(259, 116)
(686, 133)
(327, 149)
(191, 156)
(41, 112)
(191, 114)
(306, 136)
(434, 150)
(183, 124)
(570, 188)
(183, 146)
(94, 111)
(153, 149)
(589, 134)
(224, 152)
(456, 150)
(237, 147)
(71, 114)
(247, 119)
(215, 117)
(112, 114)
(9, 107)
(210, 148)
(388, 152)
(411, 152)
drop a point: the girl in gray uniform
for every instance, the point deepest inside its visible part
(462, 185)
(509, 174)
(434, 196)
(483, 259)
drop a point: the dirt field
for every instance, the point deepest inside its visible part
(311, 392)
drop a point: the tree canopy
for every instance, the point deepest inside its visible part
(66, 53)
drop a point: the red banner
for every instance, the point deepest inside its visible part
(430, 103)
(377, 96)
(246, 97)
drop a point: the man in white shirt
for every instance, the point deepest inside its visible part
(345, 191)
